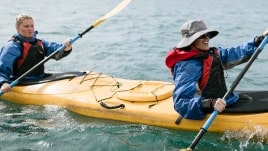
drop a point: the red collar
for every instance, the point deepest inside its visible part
(177, 55)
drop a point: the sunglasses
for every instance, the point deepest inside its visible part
(205, 36)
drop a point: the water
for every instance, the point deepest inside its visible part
(129, 45)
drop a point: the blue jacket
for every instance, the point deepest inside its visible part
(188, 72)
(11, 52)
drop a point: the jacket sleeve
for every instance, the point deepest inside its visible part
(8, 56)
(186, 102)
(50, 47)
(236, 55)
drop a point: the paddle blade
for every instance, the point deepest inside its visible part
(113, 12)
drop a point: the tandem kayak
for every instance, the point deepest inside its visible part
(136, 101)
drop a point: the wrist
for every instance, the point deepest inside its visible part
(68, 51)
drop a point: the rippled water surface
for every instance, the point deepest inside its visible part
(130, 45)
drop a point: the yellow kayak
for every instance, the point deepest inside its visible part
(136, 101)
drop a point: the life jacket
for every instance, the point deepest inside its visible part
(212, 82)
(32, 53)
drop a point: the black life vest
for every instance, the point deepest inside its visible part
(32, 53)
(212, 82)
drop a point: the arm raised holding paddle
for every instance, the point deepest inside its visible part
(220, 104)
(198, 70)
(60, 52)
(24, 50)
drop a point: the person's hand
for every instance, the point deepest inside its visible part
(265, 33)
(68, 46)
(220, 105)
(5, 88)
(259, 39)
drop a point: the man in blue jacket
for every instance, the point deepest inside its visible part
(24, 50)
(197, 70)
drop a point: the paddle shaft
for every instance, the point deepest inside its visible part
(116, 10)
(205, 127)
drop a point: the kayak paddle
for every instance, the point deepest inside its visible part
(213, 115)
(113, 12)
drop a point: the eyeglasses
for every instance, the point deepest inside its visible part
(204, 36)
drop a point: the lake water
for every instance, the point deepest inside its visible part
(131, 45)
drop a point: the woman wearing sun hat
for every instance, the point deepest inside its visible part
(197, 67)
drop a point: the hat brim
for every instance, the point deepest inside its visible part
(185, 42)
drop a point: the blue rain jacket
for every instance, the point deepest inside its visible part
(188, 72)
(11, 52)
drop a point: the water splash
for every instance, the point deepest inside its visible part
(251, 134)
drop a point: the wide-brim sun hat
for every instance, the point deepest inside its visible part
(192, 30)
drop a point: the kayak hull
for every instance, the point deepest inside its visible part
(135, 101)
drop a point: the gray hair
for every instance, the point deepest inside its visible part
(21, 17)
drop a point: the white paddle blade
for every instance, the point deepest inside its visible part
(113, 12)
